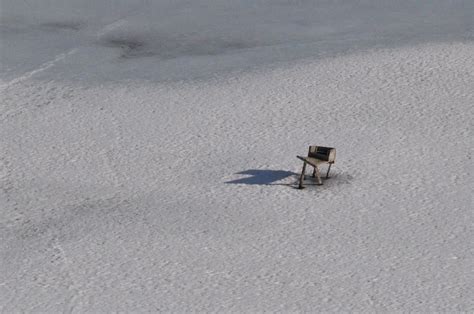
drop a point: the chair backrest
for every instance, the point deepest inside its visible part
(323, 153)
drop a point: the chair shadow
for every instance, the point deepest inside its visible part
(262, 177)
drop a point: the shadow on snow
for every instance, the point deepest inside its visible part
(271, 177)
(262, 177)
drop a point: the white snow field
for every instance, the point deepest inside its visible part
(148, 156)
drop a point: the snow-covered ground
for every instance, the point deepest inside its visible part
(147, 155)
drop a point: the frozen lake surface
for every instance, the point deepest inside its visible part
(148, 155)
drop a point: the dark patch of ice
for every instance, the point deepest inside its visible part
(166, 47)
(63, 25)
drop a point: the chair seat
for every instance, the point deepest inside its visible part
(313, 161)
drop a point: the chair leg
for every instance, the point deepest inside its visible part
(329, 168)
(300, 186)
(318, 175)
(314, 172)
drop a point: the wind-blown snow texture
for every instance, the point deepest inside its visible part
(147, 156)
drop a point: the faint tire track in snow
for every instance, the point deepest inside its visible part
(17, 108)
(110, 27)
(45, 66)
(38, 96)
(6, 186)
(108, 157)
(72, 287)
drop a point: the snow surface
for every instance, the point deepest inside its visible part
(147, 155)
